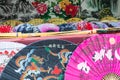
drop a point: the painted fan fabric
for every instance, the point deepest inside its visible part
(42, 60)
(7, 51)
(95, 58)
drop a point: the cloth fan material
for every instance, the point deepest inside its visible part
(7, 51)
(95, 59)
(25, 28)
(48, 27)
(68, 27)
(42, 60)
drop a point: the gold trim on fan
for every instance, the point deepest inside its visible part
(74, 20)
(111, 76)
(12, 23)
(36, 21)
(109, 19)
(57, 21)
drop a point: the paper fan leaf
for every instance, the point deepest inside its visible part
(7, 51)
(44, 60)
(95, 58)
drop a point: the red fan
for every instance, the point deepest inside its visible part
(97, 58)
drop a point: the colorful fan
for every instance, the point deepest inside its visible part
(7, 51)
(97, 58)
(43, 60)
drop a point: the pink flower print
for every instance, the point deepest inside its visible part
(42, 8)
(57, 9)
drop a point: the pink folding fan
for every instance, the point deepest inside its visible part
(97, 58)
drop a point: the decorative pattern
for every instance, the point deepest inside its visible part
(7, 51)
(43, 60)
(25, 10)
(95, 59)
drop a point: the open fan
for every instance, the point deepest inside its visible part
(43, 60)
(97, 58)
(7, 51)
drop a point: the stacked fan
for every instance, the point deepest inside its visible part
(42, 60)
(96, 58)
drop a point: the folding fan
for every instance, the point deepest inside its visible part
(97, 58)
(12, 23)
(7, 51)
(42, 60)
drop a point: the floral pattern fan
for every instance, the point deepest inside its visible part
(97, 58)
(42, 60)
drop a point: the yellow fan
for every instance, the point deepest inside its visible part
(109, 19)
(36, 21)
(73, 20)
(12, 23)
(57, 21)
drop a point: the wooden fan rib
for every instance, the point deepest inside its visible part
(100, 43)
